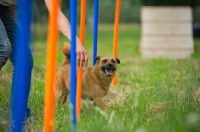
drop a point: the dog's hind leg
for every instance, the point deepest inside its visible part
(65, 93)
(59, 88)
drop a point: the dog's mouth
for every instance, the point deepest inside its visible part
(108, 71)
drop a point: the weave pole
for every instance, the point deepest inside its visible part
(95, 37)
(73, 62)
(115, 39)
(80, 70)
(20, 85)
(52, 46)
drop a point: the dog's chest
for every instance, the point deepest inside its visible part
(93, 92)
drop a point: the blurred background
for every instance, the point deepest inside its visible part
(130, 11)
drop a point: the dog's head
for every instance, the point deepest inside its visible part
(107, 65)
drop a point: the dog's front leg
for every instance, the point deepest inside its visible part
(102, 104)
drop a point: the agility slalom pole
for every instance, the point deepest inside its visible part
(115, 39)
(52, 46)
(95, 37)
(21, 83)
(80, 70)
(73, 62)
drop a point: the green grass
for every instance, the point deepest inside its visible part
(152, 95)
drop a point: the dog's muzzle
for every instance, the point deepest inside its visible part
(109, 69)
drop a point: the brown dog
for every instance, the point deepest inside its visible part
(96, 79)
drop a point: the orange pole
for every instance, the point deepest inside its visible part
(51, 68)
(115, 40)
(79, 79)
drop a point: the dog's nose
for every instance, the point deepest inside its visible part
(110, 65)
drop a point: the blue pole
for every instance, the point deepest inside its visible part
(21, 83)
(95, 37)
(73, 62)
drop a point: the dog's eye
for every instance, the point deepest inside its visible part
(104, 61)
(113, 61)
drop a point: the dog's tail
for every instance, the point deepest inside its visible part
(66, 52)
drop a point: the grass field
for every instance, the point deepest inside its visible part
(152, 95)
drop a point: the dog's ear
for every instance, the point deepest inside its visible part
(118, 61)
(97, 59)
